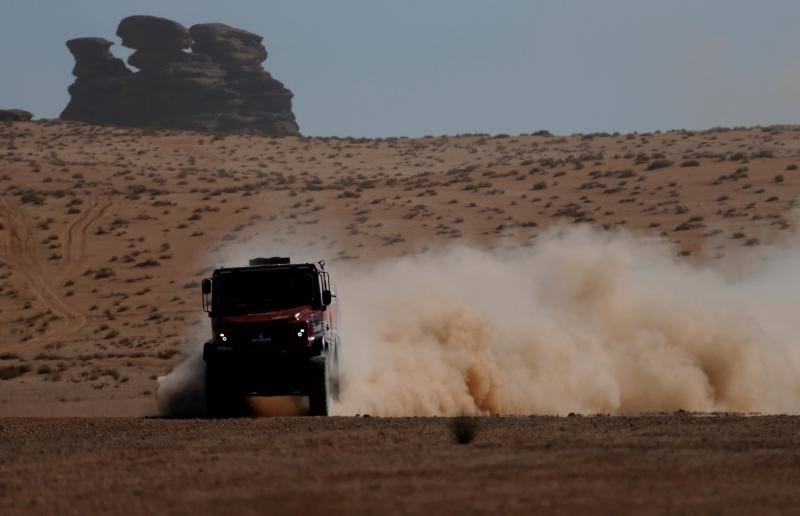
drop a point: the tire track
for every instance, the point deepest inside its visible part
(20, 250)
(75, 237)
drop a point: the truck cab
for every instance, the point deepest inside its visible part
(274, 332)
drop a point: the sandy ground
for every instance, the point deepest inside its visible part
(105, 233)
(676, 464)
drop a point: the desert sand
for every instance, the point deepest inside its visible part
(106, 232)
(599, 465)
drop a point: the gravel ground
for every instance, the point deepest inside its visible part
(663, 464)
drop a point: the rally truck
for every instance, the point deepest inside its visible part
(275, 332)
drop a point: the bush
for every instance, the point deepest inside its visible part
(659, 163)
(147, 263)
(9, 372)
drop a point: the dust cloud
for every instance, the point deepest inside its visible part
(583, 321)
(181, 392)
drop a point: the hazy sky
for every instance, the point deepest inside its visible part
(389, 68)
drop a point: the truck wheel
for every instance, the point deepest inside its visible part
(222, 397)
(336, 387)
(318, 391)
(334, 379)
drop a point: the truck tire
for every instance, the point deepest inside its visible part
(336, 386)
(334, 381)
(222, 397)
(318, 386)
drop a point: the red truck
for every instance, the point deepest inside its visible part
(275, 332)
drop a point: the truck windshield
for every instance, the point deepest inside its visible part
(253, 291)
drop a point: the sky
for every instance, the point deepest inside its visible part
(417, 67)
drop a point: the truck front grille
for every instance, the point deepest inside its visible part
(259, 335)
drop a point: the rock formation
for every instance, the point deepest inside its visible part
(100, 81)
(220, 85)
(157, 41)
(15, 115)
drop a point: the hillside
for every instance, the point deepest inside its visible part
(105, 233)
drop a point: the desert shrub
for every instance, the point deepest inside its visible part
(778, 178)
(147, 263)
(659, 163)
(103, 273)
(32, 198)
(690, 163)
(13, 371)
(167, 354)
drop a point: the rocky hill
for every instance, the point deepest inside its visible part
(15, 115)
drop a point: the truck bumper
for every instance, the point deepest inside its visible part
(260, 372)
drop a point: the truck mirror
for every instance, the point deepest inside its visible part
(327, 297)
(206, 286)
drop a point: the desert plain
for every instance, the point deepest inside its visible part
(106, 233)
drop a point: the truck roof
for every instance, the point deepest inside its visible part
(268, 267)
